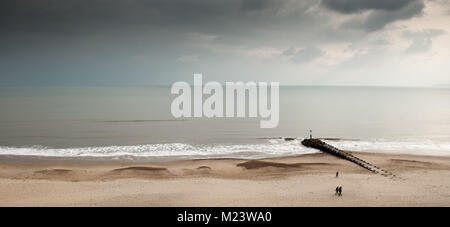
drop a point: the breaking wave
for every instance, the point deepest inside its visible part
(269, 148)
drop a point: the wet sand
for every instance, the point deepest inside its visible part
(306, 180)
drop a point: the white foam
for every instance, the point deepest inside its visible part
(270, 148)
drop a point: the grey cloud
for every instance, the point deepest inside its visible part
(158, 41)
(70, 15)
(304, 55)
(379, 19)
(379, 42)
(352, 6)
(250, 23)
(232, 21)
(97, 14)
(380, 13)
(427, 33)
(251, 5)
(91, 41)
(421, 40)
(289, 52)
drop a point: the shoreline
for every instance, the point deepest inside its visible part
(303, 180)
(158, 159)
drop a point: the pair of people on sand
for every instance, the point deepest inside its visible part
(338, 190)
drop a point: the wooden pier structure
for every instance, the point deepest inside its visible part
(324, 147)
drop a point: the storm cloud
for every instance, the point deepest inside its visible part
(380, 13)
(353, 6)
(68, 15)
(116, 42)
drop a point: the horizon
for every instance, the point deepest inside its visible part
(281, 85)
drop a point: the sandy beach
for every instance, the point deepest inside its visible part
(306, 180)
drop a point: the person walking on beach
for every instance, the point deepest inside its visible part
(337, 174)
(337, 190)
(340, 190)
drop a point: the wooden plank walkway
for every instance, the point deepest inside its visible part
(322, 146)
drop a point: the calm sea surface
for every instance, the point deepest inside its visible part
(136, 121)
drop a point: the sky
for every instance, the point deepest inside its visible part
(155, 42)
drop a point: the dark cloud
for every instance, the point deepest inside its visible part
(252, 5)
(114, 41)
(88, 15)
(380, 13)
(97, 14)
(250, 23)
(353, 6)
(158, 41)
(379, 19)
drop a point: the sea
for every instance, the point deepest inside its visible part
(136, 122)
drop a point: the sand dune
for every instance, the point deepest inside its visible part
(54, 171)
(256, 164)
(307, 180)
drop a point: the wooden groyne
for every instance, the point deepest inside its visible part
(322, 146)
